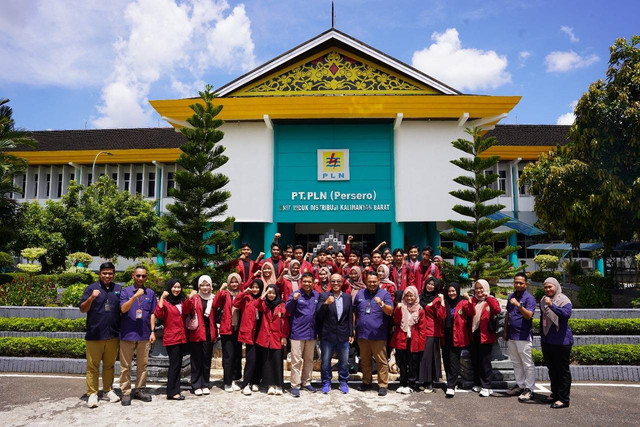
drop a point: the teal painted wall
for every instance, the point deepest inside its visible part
(251, 232)
(371, 172)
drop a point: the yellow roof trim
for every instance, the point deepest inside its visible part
(512, 152)
(346, 107)
(86, 157)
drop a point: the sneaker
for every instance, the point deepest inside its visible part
(92, 401)
(278, 391)
(198, 392)
(476, 389)
(295, 392)
(141, 395)
(382, 391)
(206, 391)
(113, 397)
(527, 394)
(326, 388)
(344, 388)
(271, 391)
(450, 393)
(255, 388)
(365, 387)
(126, 400)
(484, 392)
(310, 388)
(429, 388)
(228, 389)
(247, 391)
(515, 391)
(236, 387)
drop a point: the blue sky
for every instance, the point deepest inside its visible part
(75, 64)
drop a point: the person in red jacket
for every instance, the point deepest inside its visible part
(459, 312)
(482, 339)
(246, 266)
(354, 281)
(433, 304)
(172, 308)
(321, 284)
(249, 326)
(424, 270)
(385, 282)
(408, 338)
(399, 270)
(229, 324)
(298, 254)
(203, 337)
(290, 280)
(272, 337)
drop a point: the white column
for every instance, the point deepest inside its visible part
(144, 180)
(27, 185)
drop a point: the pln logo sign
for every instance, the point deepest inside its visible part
(333, 165)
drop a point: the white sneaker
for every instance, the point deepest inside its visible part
(198, 391)
(400, 390)
(92, 402)
(206, 391)
(450, 392)
(485, 392)
(113, 397)
(247, 391)
(278, 391)
(272, 391)
(228, 388)
(255, 388)
(236, 387)
(476, 389)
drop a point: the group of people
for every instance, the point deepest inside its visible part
(341, 303)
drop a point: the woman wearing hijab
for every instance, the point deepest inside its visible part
(291, 279)
(172, 308)
(435, 312)
(321, 284)
(482, 339)
(354, 281)
(556, 339)
(249, 326)
(459, 312)
(366, 263)
(408, 338)
(203, 337)
(385, 282)
(272, 337)
(229, 325)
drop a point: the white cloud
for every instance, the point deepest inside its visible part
(462, 68)
(559, 61)
(569, 32)
(568, 118)
(166, 39)
(522, 56)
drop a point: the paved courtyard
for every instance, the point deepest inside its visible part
(32, 399)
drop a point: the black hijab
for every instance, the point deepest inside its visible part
(425, 296)
(175, 300)
(276, 301)
(260, 287)
(451, 303)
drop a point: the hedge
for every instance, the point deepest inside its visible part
(599, 326)
(43, 324)
(599, 354)
(43, 347)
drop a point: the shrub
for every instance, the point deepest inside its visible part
(501, 292)
(30, 268)
(42, 324)
(538, 293)
(5, 278)
(73, 294)
(540, 276)
(599, 354)
(573, 268)
(594, 296)
(599, 326)
(69, 278)
(594, 279)
(546, 262)
(80, 257)
(36, 291)
(155, 278)
(6, 260)
(43, 347)
(635, 302)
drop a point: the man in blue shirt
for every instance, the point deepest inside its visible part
(101, 302)
(301, 306)
(372, 309)
(517, 332)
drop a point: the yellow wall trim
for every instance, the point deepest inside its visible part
(512, 152)
(86, 157)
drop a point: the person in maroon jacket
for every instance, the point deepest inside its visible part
(459, 312)
(298, 254)
(321, 283)
(435, 312)
(229, 324)
(482, 339)
(408, 338)
(249, 326)
(290, 280)
(202, 339)
(399, 270)
(424, 270)
(247, 267)
(272, 337)
(275, 259)
(172, 308)
(385, 282)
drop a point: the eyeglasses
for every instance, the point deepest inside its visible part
(141, 276)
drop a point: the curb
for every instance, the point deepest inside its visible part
(605, 313)
(16, 334)
(582, 340)
(38, 312)
(596, 373)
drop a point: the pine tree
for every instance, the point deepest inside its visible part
(195, 224)
(482, 261)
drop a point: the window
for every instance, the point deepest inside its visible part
(114, 177)
(35, 187)
(48, 184)
(139, 183)
(72, 176)
(171, 183)
(89, 178)
(22, 184)
(523, 189)
(151, 185)
(59, 192)
(127, 180)
(502, 180)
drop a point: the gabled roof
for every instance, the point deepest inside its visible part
(334, 38)
(531, 135)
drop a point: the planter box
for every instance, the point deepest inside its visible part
(42, 334)
(38, 312)
(596, 373)
(579, 340)
(603, 313)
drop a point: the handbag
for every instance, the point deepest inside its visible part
(192, 322)
(496, 324)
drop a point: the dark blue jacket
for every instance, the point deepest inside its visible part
(329, 327)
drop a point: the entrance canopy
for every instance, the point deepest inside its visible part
(564, 247)
(520, 226)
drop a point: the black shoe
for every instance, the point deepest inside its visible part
(555, 405)
(382, 391)
(126, 400)
(180, 397)
(141, 395)
(364, 387)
